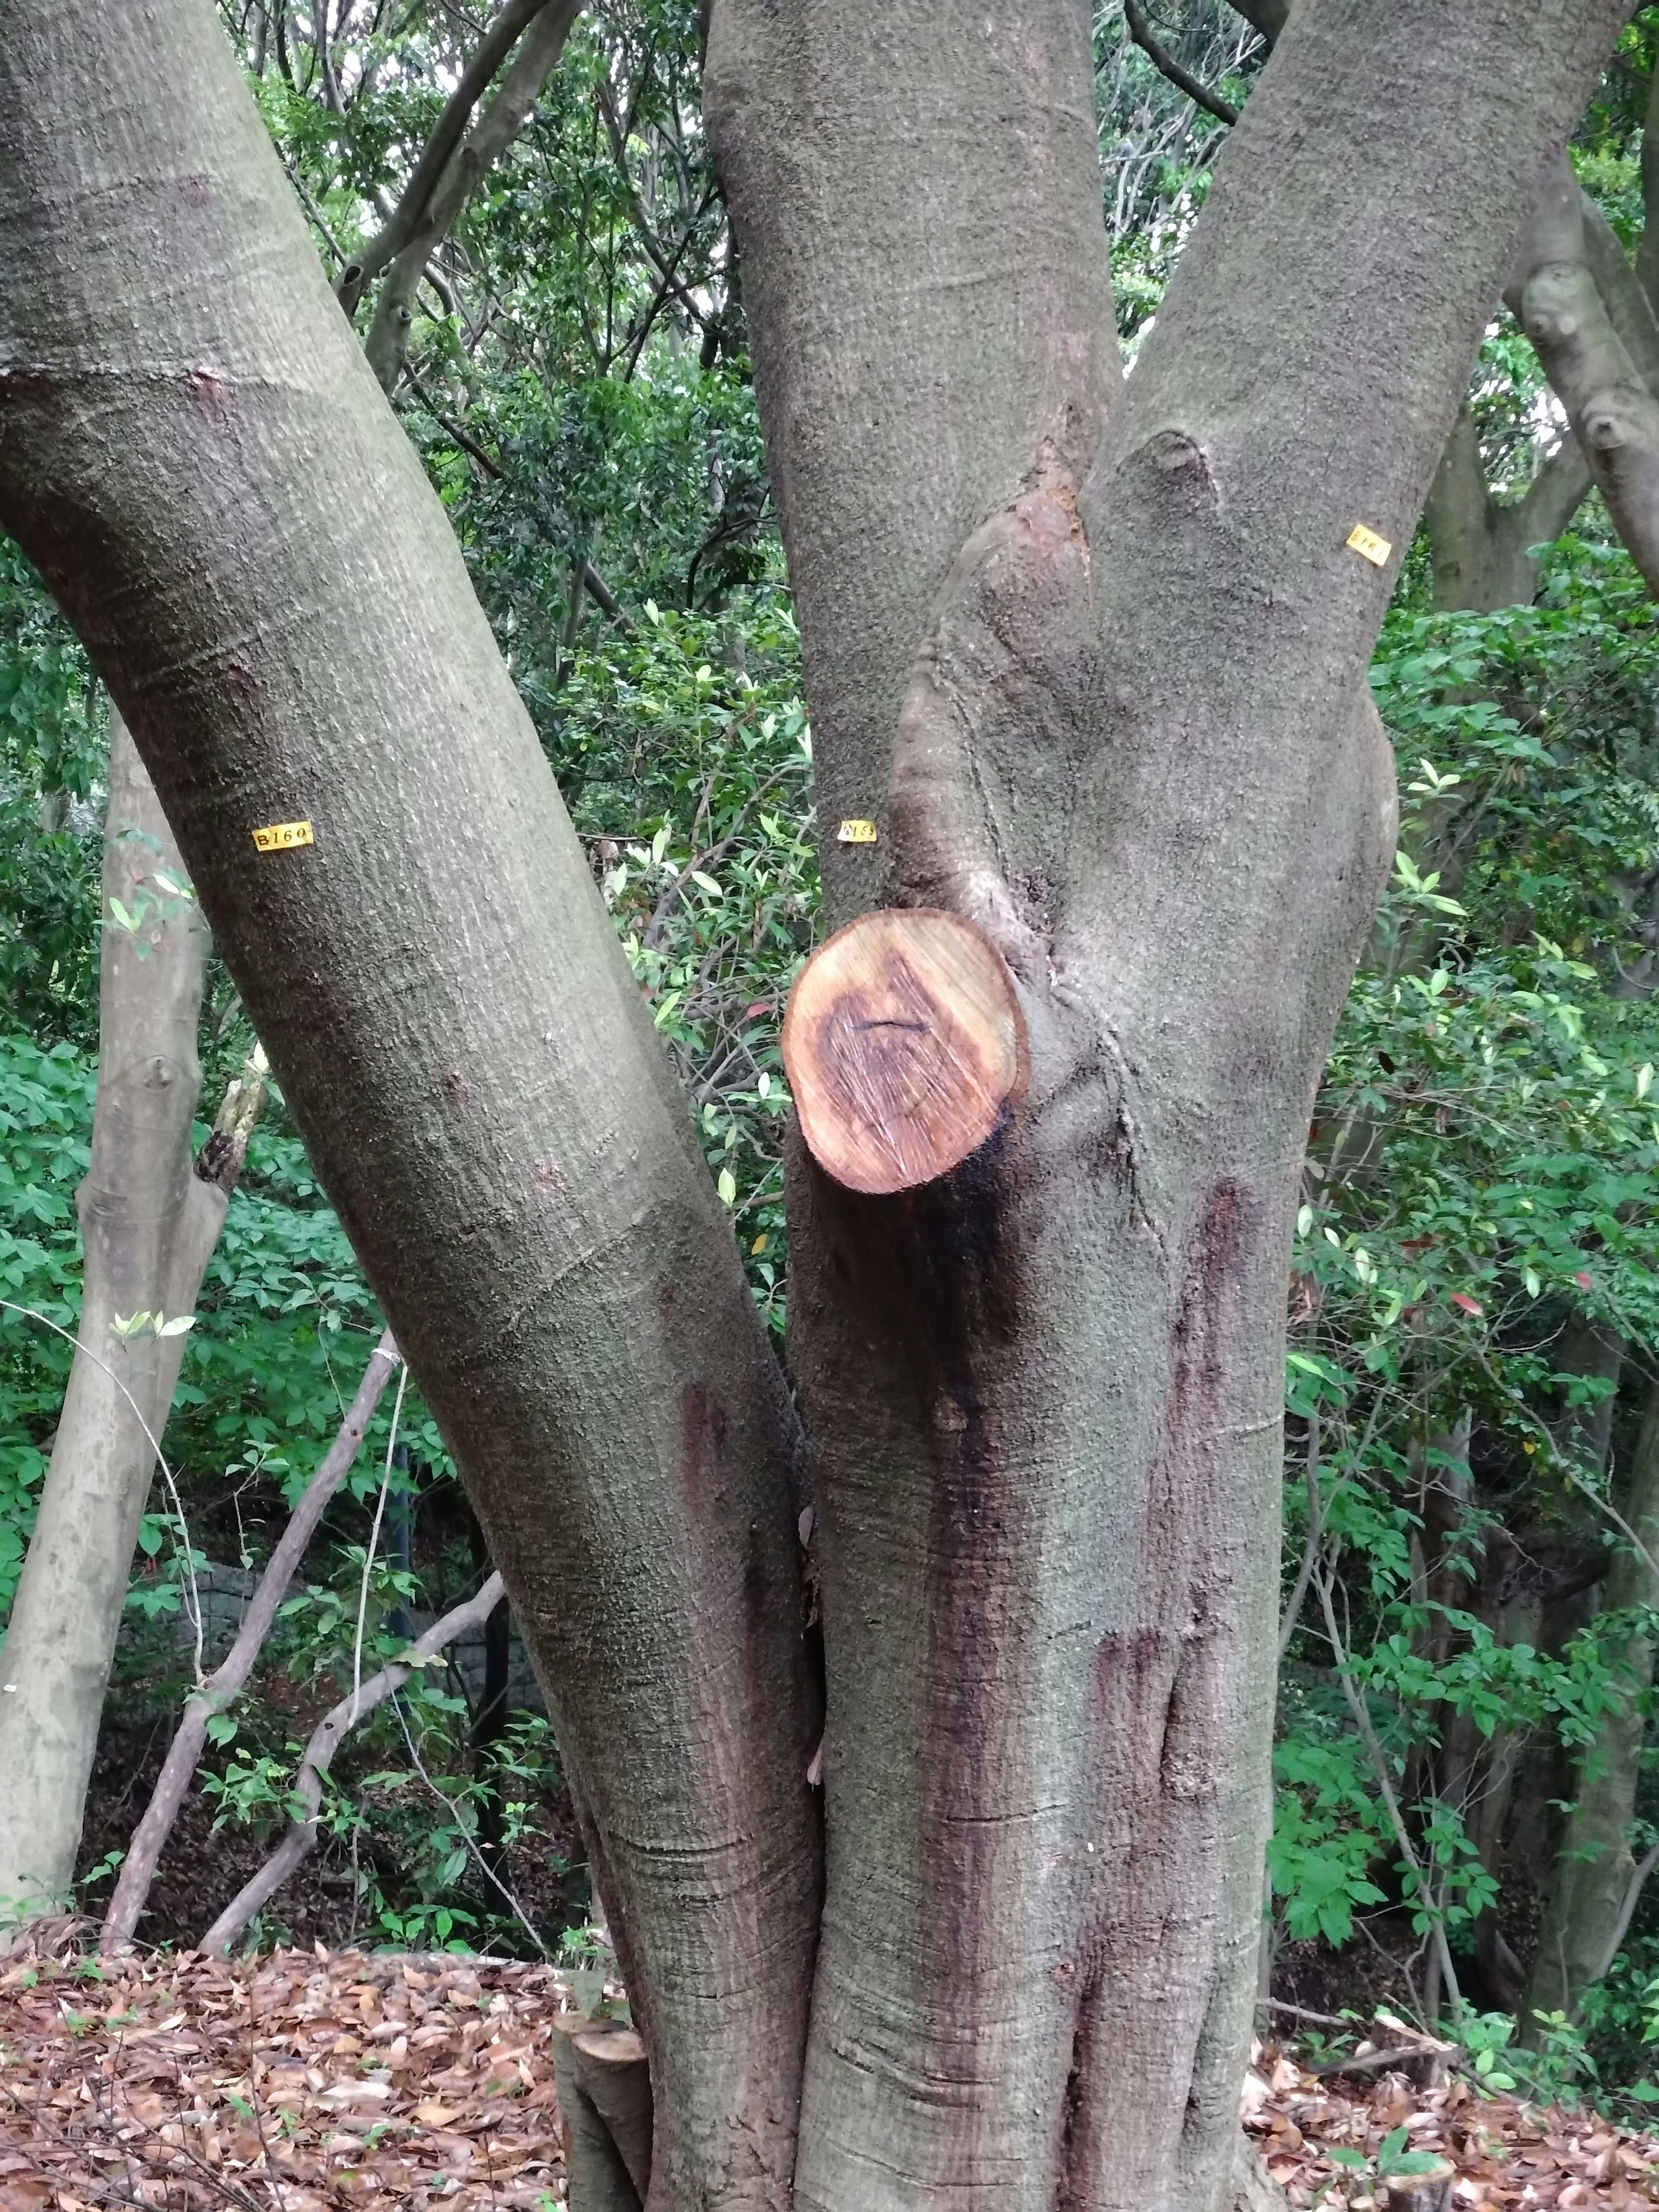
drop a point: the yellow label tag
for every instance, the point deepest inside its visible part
(282, 834)
(856, 833)
(1369, 546)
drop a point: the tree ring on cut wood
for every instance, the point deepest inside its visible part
(904, 1044)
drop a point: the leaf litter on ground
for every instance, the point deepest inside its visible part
(1332, 2139)
(293, 2081)
(308, 2081)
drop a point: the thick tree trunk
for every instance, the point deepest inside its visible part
(1132, 746)
(212, 481)
(1094, 656)
(1586, 1916)
(148, 1227)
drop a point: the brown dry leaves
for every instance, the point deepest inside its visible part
(1506, 2153)
(288, 2083)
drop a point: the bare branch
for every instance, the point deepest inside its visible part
(149, 1838)
(495, 129)
(1163, 60)
(329, 1733)
(493, 50)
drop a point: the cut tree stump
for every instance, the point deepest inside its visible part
(904, 1045)
(605, 2103)
(1419, 2192)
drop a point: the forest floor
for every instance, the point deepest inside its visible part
(308, 2081)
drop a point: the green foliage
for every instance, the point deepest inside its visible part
(51, 760)
(1483, 1179)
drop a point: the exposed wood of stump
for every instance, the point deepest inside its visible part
(1425, 2192)
(904, 1046)
(605, 2102)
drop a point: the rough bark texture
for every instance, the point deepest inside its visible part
(1118, 715)
(1586, 1916)
(148, 1229)
(1093, 656)
(194, 449)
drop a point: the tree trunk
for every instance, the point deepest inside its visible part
(1043, 1393)
(1585, 1917)
(209, 477)
(1481, 552)
(1093, 654)
(148, 1227)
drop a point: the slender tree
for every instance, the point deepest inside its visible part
(1090, 656)
(148, 1229)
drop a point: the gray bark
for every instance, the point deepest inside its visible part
(1480, 548)
(1553, 292)
(300, 1840)
(209, 477)
(1133, 745)
(148, 1228)
(1586, 1914)
(534, 61)
(1123, 644)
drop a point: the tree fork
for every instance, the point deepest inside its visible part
(1091, 656)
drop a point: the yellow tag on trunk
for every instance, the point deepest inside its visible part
(856, 833)
(280, 835)
(1369, 546)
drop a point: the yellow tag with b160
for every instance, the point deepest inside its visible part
(281, 836)
(856, 833)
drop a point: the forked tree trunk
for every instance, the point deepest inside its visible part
(148, 1230)
(1120, 638)
(1094, 657)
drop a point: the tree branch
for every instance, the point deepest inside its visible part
(329, 1733)
(495, 129)
(1379, 1762)
(216, 1693)
(498, 41)
(1615, 416)
(1164, 61)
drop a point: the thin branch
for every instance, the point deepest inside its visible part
(1391, 1804)
(1639, 1874)
(326, 1738)
(1311, 1549)
(184, 1755)
(1165, 62)
(493, 49)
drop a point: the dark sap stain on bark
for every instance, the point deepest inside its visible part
(1074, 2155)
(700, 1460)
(1195, 1406)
